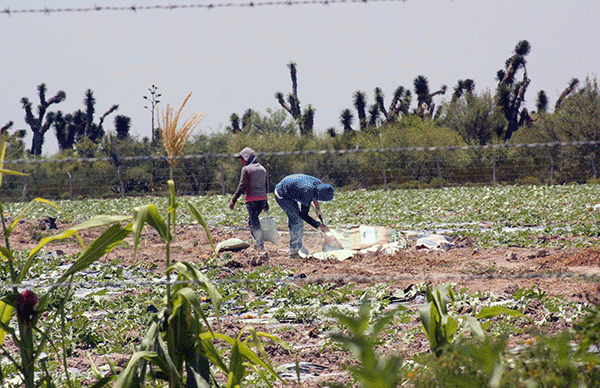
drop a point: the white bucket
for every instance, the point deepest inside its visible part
(268, 228)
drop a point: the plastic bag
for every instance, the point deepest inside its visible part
(268, 227)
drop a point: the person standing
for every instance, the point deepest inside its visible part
(301, 189)
(253, 183)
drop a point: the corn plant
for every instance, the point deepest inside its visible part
(362, 338)
(30, 336)
(179, 343)
(179, 339)
(441, 327)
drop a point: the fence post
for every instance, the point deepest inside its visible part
(551, 170)
(222, 178)
(437, 163)
(121, 181)
(382, 173)
(24, 193)
(494, 170)
(70, 185)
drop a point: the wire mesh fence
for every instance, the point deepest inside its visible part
(385, 168)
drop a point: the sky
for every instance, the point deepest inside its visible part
(236, 58)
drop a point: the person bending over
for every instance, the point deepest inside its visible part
(294, 194)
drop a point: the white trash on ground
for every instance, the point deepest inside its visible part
(344, 243)
(434, 241)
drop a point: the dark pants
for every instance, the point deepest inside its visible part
(295, 223)
(254, 209)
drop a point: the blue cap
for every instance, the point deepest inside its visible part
(324, 192)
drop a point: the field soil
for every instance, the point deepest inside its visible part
(501, 271)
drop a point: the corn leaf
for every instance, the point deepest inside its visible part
(148, 214)
(5, 315)
(189, 272)
(198, 216)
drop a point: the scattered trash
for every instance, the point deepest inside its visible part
(331, 242)
(232, 244)
(268, 227)
(342, 244)
(404, 295)
(364, 236)
(338, 254)
(434, 241)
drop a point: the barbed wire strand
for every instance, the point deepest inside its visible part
(310, 152)
(136, 283)
(208, 6)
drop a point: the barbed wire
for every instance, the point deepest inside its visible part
(136, 283)
(308, 152)
(208, 6)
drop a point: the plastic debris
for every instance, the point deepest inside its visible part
(342, 244)
(268, 227)
(434, 241)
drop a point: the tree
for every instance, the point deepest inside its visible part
(374, 115)
(474, 117)
(400, 104)
(292, 105)
(542, 102)
(308, 120)
(275, 122)
(425, 105)
(122, 126)
(6, 127)
(235, 123)
(69, 127)
(346, 118)
(466, 86)
(578, 119)
(514, 63)
(510, 94)
(38, 126)
(379, 100)
(15, 145)
(74, 128)
(568, 90)
(235, 126)
(360, 104)
(94, 131)
(246, 119)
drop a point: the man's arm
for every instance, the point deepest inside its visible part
(322, 226)
(317, 209)
(304, 215)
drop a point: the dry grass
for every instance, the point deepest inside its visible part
(173, 137)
